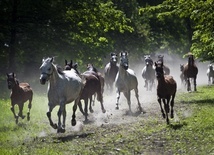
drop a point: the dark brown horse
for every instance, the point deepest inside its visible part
(165, 68)
(166, 90)
(110, 71)
(190, 71)
(21, 92)
(92, 86)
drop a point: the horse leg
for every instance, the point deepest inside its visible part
(117, 99)
(127, 95)
(137, 97)
(172, 105)
(100, 99)
(188, 85)
(80, 107)
(21, 110)
(50, 108)
(86, 109)
(13, 111)
(166, 108)
(93, 100)
(60, 111)
(195, 89)
(73, 120)
(90, 105)
(163, 114)
(29, 108)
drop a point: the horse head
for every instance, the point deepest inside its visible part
(11, 80)
(191, 60)
(113, 59)
(124, 62)
(148, 60)
(160, 58)
(46, 70)
(159, 69)
(210, 66)
(181, 67)
(68, 65)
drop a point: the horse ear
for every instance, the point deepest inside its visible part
(52, 59)
(66, 62)
(13, 74)
(43, 59)
(71, 62)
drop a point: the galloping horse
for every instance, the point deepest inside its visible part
(126, 81)
(21, 92)
(210, 74)
(166, 90)
(64, 87)
(165, 68)
(190, 71)
(110, 71)
(92, 86)
(148, 73)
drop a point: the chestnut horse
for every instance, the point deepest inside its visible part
(166, 90)
(190, 71)
(92, 86)
(110, 71)
(126, 81)
(21, 92)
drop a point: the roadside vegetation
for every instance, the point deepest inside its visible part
(190, 132)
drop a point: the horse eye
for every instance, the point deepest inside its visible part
(49, 69)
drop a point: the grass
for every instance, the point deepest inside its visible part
(191, 133)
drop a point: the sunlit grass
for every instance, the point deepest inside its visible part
(191, 133)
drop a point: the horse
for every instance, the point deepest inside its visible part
(148, 73)
(165, 68)
(64, 87)
(110, 71)
(126, 81)
(182, 74)
(210, 74)
(166, 90)
(92, 86)
(20, 93)
(190, 71)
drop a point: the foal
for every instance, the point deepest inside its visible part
(166, 90)
(21, 92)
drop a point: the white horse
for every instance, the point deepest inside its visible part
(148, 73)
(64, 87)
(210, 74)
(126, 81)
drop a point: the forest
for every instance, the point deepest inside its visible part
(87, 31)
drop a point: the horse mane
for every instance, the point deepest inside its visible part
(59, 70)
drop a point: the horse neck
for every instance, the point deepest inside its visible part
(16, 86)
(122, 71)
(55, 75)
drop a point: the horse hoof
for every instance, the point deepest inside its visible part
(60, 130)
(91, 111)
(104, 111)
(28, 118)
(54, 126)
(73, 122)
(117, 108)
(16, 121)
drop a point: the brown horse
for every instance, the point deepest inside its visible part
(21, 92)
(166, 90)
(92, 86)
(190, 71)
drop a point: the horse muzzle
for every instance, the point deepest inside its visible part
(43, 79)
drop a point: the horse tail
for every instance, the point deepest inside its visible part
(99, 93)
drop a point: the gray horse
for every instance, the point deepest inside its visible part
(64, 87)
(210, 74)
(126, 81)
(148, 73)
